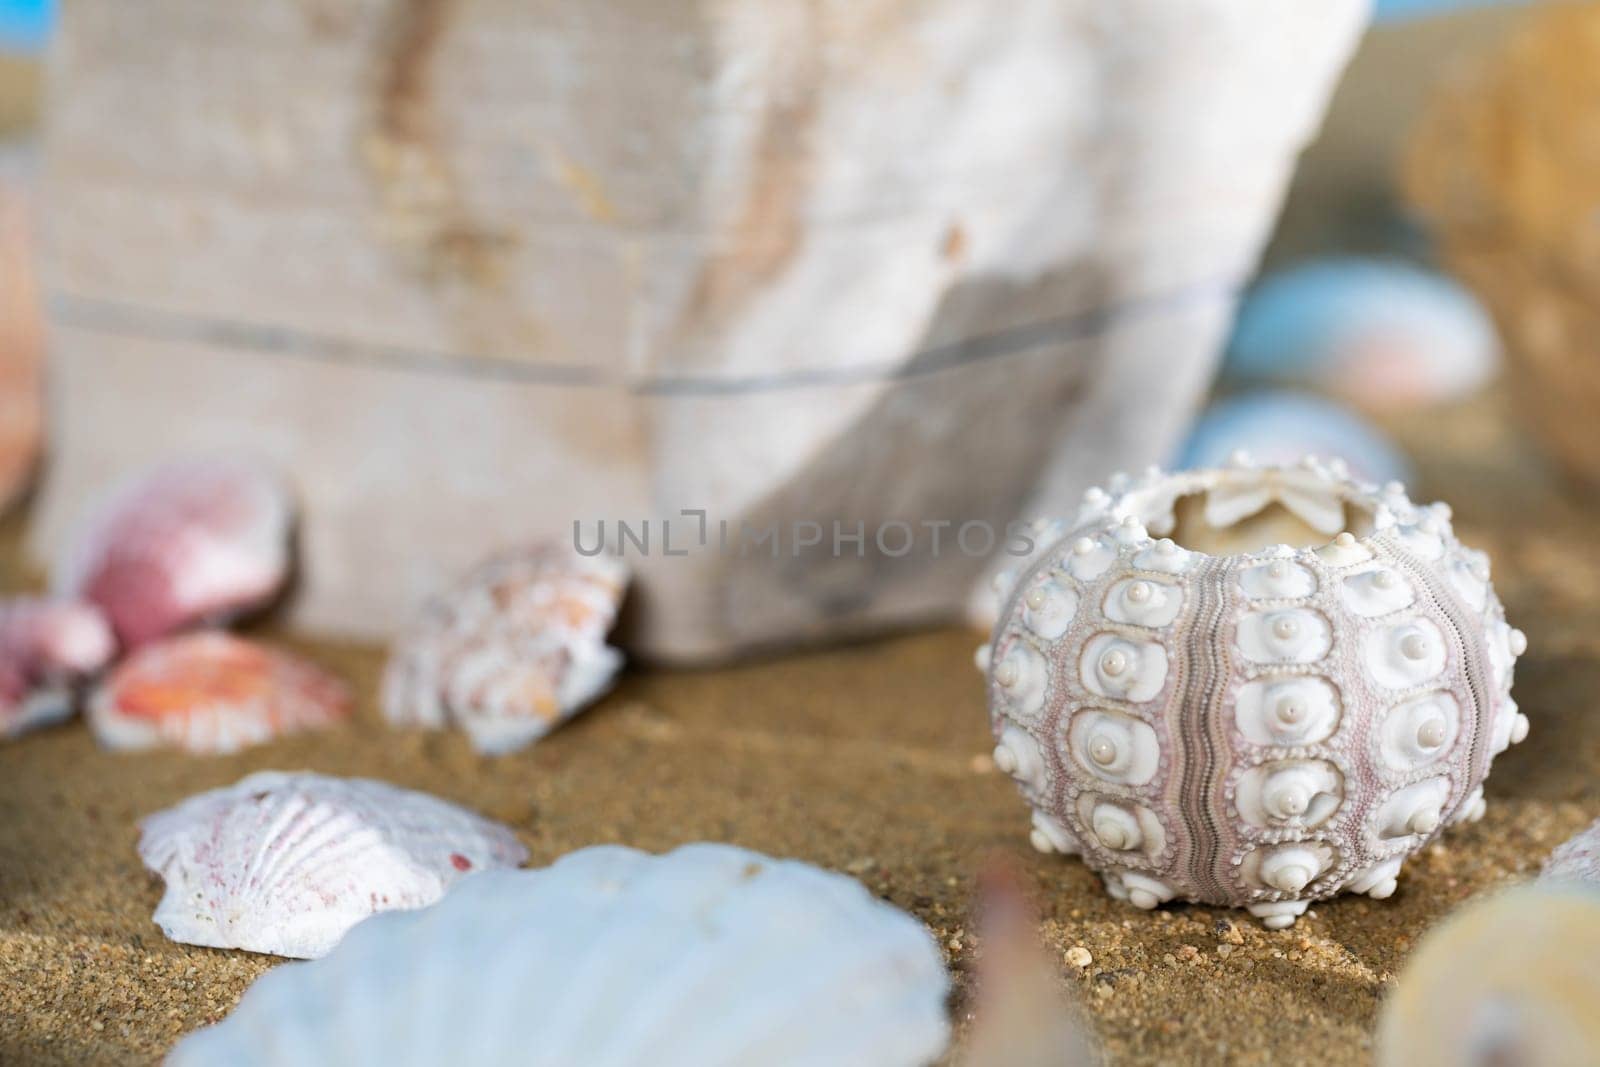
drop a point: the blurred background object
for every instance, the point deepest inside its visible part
(1506, 168)
(1023, 1014)
(1512, 979)
(1280, 426)
(23, 27)
(1381, 334)
(476, 272)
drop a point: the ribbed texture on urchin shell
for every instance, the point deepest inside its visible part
(709, 956)
(510, 651)
(287, 863)
(1263, 729)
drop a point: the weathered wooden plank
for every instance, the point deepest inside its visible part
(472, 270)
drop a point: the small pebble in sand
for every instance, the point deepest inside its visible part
(1079, 957)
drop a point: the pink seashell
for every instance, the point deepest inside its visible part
(510, 652)
(211, 692)
(183, 543)
(46, 648)
(287, 863)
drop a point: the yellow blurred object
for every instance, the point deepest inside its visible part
(1513, 979)
(1505, 166)
(19, 93)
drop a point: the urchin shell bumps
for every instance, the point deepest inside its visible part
(1262, 728)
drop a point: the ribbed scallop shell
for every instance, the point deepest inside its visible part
(47, 648)
(709, 956)
(1509, 979)
(211, 692)
(511, 651)
(1261, 729)
(287, 863)
(182, 543)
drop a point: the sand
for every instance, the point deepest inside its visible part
(870, 759)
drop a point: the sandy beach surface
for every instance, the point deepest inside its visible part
(872, 760)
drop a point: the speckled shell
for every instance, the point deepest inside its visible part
(1577, 859)
(1512, 978)
(511, 651)
(1259, 730)
(211, 692)
(709, 956)
(47, 648)
(190, 541)
(287, 863)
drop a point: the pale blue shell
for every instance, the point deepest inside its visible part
(1279, 427)
(1328, 322)
(709, 955)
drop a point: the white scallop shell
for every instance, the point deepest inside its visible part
(709, 955)
(287, 863)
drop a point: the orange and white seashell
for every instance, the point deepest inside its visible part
(183, 543)
(287, 863)
(510, 652)
(47, 647)
(211, 692)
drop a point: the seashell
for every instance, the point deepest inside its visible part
(1380, 334)
(1510, 979)
(182, 543)
(1238, 720)
(47, 648)
(514, 649)
(1280, 427)
(211, 692)
(287, 863)
(1577, 859)
(708, 956)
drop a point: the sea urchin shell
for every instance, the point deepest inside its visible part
(211, 692)
(515, 648)
(185, 542)
(1242, 722)
(286, 863)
